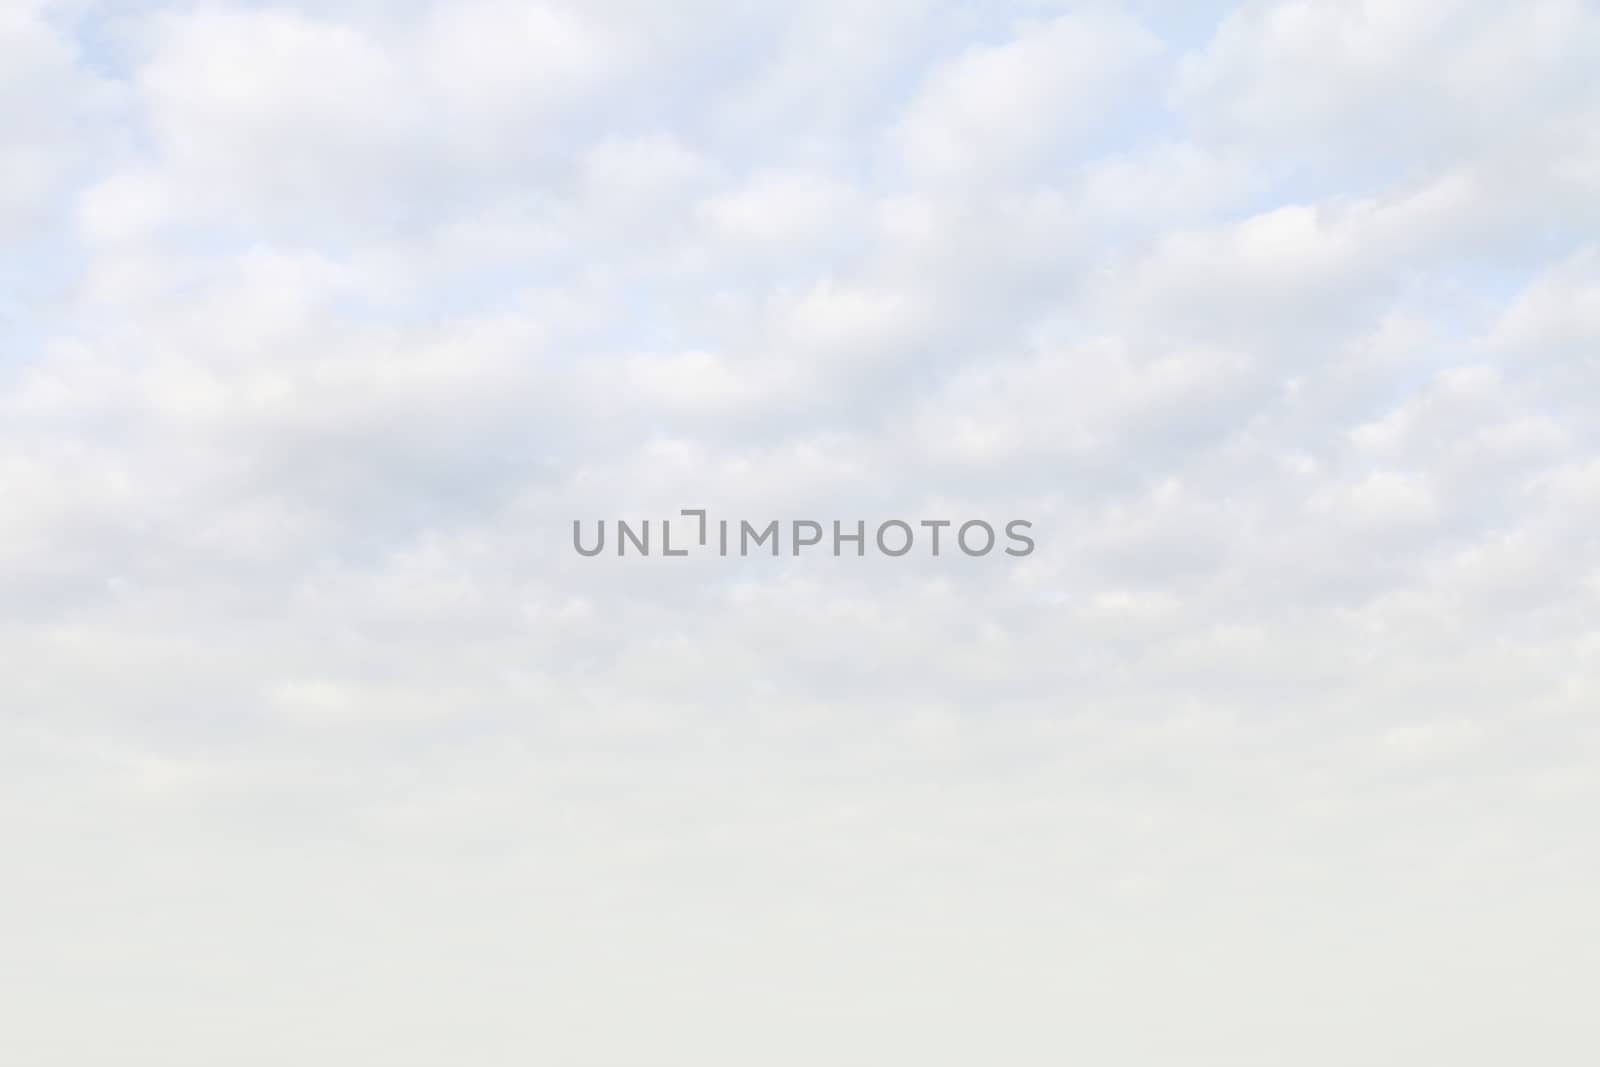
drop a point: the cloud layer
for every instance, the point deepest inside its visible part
(321, 322)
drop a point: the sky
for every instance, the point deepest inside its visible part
(321, 322)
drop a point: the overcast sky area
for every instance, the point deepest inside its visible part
(321, 321)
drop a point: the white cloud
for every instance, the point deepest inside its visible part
(325, 320)
(784, 208)
(997, 106)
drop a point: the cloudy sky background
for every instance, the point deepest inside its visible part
(321, 321)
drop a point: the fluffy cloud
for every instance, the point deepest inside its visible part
(326, 320)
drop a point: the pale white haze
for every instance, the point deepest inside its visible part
(321, 320)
